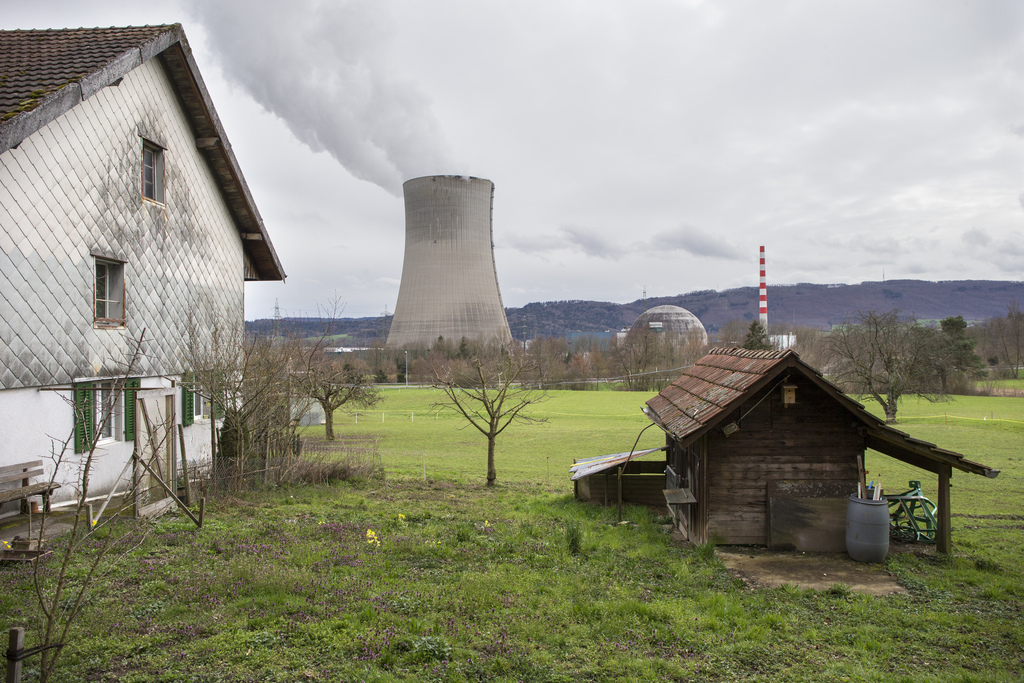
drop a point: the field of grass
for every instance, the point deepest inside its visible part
(1005, 383)
(422, 435)
(442, 579)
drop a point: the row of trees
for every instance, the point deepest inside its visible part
(888, 355)
(642, 360)
(265, 383)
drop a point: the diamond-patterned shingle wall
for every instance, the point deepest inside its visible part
(74, 187)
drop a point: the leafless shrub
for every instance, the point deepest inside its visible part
(324, 462)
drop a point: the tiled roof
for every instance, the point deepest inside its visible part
(708, 388)
(36, 63)
(45, 73)
(720, 381)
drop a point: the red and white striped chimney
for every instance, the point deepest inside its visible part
(764, 296)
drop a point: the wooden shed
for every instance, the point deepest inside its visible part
(621, 478)
(762, 450)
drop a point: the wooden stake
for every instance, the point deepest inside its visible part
(172, 494)
(863, 491)
(184, 466)
(15, 644)
(943, 535)
(152, 442)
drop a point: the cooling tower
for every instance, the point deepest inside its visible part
(449, 284)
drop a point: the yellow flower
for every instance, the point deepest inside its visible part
(371, 537)
(401, 516)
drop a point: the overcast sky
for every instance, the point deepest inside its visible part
(632, 143)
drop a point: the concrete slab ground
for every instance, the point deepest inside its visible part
(763, 568)
(57, 523)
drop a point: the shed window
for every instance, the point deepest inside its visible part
(108, 300)
(153, 172)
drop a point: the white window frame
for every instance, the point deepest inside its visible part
(113, 428)
(152, 172)
(108, 293)
(201, 407)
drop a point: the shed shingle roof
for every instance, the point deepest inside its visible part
(720, 381)
(45, 73)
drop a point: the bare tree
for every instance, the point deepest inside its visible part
(731, 333)
(487, 392)
(248, 382)
(634, 355)
(885, 355)
(1008, 335)
(62, 593)
(333, 383)
(327, 379)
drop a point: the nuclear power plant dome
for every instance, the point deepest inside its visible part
(672, 320)
(449, 283)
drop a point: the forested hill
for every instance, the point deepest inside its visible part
(802, 305)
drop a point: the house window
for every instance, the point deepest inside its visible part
(108, 411)
(194, 407)
(102, 413)
(152, 172)
(109, 294)
(202, 407)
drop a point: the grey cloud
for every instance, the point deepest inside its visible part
(976, 237)
(533, 244)
(695, 242)
(592, 243)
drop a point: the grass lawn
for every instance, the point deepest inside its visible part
(421, 436)
(441, 579)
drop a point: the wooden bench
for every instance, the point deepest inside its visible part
(24, 472)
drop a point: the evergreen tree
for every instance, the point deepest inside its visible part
(757, 338)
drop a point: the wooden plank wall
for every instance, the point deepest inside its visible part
(816, 438)
(690, 464)
(642, 484)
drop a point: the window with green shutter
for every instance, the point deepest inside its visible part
(188, 406)
(84, 421)
(129, 407)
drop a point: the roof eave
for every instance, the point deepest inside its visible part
(228, 171)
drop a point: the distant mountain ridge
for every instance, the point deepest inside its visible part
(799, 305)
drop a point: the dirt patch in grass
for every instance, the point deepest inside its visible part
(763, 568)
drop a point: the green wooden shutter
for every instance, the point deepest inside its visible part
(188, 406)
(84, 422)
(129, 407)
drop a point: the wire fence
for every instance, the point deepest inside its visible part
(946, 418)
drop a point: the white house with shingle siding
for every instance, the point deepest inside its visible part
(123, 216)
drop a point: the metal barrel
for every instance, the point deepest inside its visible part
(867, 529)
